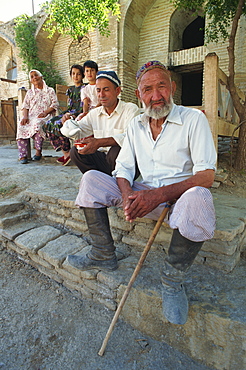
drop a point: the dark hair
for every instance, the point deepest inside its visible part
(90, 64)
(77, 66)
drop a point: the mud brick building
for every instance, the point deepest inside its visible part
(147, 30)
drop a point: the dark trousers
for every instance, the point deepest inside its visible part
(100, 161)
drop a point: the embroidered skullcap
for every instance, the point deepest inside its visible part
(110, 75)
(35, 70)
(147, 66)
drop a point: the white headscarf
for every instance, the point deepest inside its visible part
(39, 74)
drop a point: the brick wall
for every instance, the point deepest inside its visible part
(142, 34)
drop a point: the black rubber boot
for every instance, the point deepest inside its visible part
(102, 254)
(182, 251)
(181, 255)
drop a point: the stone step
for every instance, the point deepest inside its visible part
(222, 252)
(14, 219)
(11, 232)
(10, 206)
(216, 327)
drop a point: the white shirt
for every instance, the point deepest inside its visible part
(98, 123)
(184, 146)
(90, 92)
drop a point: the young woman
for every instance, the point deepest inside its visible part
(75, 107)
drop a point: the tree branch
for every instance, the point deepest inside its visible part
(231, 66)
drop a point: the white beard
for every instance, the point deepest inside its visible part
(157, 113)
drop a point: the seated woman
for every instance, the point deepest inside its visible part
(75, 107)
(39, 106)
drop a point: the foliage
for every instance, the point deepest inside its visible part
(25, 39)
(223, 19)
(77, 17)
(220, 14)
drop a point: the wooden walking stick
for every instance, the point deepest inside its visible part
(134, 275)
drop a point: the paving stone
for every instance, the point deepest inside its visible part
(56, 219)
(89, 274)
(101, 289)
(71, 285)
(116, 235)
(117, 222)
(9, 221)
(40, 261)
(14, 247)
(227, 230)
(58, 210)
(138, 243)
(10, 205)
(69, 200)
(164, 234)
(68, 275)
(44, 196)
(111, 279)
(78, 215)
(222, 176)
(79, 226)
(34, 239)
(17, 229)
(28, 261)
(87, 293)
(52, 274)
(216, 184)
(57, 250)
(221, 262)
(217, 246)
(109, 303)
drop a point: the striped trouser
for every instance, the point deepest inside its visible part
(193, 213)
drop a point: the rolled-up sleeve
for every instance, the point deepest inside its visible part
(202, 146)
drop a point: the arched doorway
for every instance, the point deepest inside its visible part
(187, 32)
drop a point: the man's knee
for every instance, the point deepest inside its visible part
(197, 195)
(90, 176)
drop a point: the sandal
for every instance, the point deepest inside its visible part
(36, 157)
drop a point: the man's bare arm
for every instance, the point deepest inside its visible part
(126, 191)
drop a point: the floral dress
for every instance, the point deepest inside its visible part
(53, 126)
(37, 101)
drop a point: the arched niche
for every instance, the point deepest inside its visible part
(185, 30)
(132, 17)
(7, 67)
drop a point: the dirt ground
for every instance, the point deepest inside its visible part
(43, 327)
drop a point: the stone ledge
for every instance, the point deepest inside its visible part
(222, 252)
